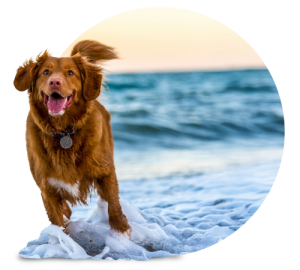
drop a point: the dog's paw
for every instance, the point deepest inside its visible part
(66, 220)
(127, 234)
(65, 231)
(66, 224)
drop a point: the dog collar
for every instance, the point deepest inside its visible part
(65, 139)
(63, 133)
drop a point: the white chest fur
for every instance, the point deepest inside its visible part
(73, 190)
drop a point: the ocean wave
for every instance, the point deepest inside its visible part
(207, 106)
(249, 88)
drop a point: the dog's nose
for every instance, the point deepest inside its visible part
(55, 83)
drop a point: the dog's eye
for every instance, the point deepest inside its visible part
(70, 72)
(46, 72)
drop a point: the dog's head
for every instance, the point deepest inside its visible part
(60, 89)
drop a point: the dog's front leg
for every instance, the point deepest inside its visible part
(108, 189)
(66, 210)
(54, 206)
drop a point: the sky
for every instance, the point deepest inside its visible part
(170, 39)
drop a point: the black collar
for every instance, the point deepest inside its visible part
(64, 133)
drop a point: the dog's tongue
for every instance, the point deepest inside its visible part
(55, 105)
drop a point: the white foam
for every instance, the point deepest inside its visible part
(94, 237)
(177, 217)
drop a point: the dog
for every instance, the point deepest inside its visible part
(68, 133)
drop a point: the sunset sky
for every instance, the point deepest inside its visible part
(169, 39)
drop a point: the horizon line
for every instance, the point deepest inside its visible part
(107, 72)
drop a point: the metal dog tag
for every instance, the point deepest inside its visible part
(66, 142)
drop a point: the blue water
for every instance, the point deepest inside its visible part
(196, 154)
(170, 124)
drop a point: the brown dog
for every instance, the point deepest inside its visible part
(63, 105)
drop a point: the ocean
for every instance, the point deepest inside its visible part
(189, 123)
(196, 154)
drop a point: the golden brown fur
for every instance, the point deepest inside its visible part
(89, 161)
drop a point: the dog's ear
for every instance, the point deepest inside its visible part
(91, 78)
(92, 81)
(94, 51)
(25, 76)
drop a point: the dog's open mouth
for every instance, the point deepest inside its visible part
(56, 103)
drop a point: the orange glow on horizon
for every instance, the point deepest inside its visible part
(170, 39)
